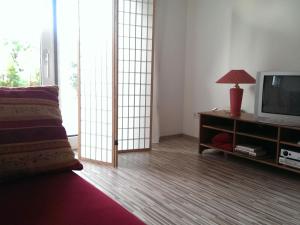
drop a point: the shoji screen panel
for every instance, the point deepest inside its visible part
(96, 80)
(135, 28)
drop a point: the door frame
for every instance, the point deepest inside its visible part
(49, 51)
(115, 84)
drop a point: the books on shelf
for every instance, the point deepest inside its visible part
(251, 150)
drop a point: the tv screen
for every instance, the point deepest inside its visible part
(281, 95)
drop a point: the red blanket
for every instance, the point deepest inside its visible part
(59, 199)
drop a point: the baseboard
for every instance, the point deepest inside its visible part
(168, 137)
(134, 150)
(192, 138)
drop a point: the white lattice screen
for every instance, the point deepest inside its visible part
(135, 27)
(96, 83)
(128, 58)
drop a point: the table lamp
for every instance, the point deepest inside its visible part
(236, 94)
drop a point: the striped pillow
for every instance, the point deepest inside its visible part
(32, 138)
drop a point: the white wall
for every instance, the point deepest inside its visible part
(256, 35)
(207, 57)
(170, 36)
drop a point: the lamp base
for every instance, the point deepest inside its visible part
(236, 96)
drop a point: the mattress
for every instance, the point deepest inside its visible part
(59, 199)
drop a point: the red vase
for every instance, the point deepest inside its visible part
(236, 96)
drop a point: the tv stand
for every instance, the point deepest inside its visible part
(247, 129)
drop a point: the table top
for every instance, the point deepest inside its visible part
(249, 117)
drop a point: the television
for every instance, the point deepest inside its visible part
(277, 97)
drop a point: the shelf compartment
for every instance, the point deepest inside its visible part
(217, 122)
(290, 136)
(246, 130)
(269, 161)
(218, 129)
(269, 146)
(289, 147)
(207, 134)
(257, 130)
(210, 145)
(290, 144)
(256, 136)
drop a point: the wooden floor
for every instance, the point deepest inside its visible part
(173, 184)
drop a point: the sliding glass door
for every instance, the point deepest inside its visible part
(26, 43)
(39, 46)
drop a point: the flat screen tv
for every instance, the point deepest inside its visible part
(278, 97)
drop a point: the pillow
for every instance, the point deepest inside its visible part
(32, 138)
(222, 138)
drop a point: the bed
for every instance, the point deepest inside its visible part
(59, 199)
(37, 182)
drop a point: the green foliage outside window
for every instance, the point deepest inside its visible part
(12, 76)
(74, 75)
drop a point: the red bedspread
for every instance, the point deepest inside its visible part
(59, 199)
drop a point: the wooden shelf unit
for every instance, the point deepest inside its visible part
(247, 130)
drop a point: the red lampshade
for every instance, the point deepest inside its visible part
(236, 94)
(237, 77)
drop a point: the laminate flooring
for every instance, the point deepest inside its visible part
(173, 184)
